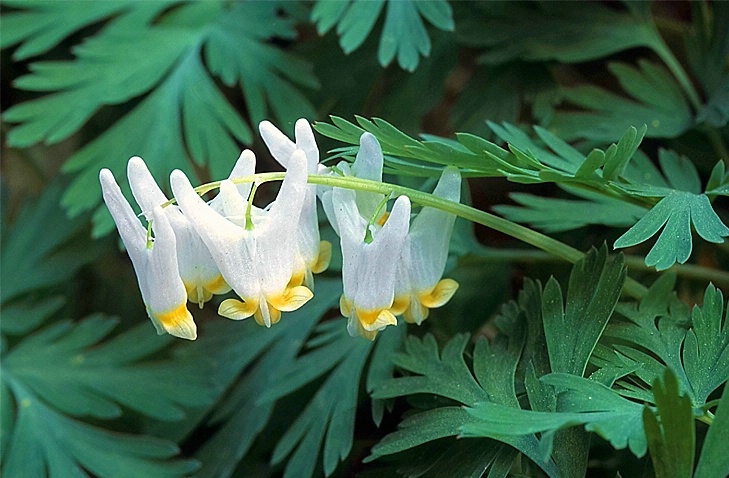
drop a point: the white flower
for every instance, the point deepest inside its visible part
(419, 286)
(313, 254)
(256, 260)
(155, 264)
(198, 270)
(369, 268)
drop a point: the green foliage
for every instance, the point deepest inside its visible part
(713, 460)
(403, 34)
(671, 440)
(556, 31)
(657, 101)
(622, 107)
(33, 261)
(184, 114)
(66, 370)
(660, 332)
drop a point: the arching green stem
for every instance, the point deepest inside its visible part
(522, 233)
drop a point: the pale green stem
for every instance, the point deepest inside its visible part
(707, 418)
(249, 206)
(368, 233)
(552, 246)
(524, 234)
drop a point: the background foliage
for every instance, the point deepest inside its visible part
(601, 124)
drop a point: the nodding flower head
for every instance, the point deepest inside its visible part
(419, 286)
(369, 266)
(257, 261)
(155, 262)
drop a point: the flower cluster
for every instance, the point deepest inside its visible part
(268, 256)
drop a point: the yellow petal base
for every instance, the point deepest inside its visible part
(177, 322)
(324, 257)
(417, 307)
(266, 310)
(365, 323)
(201, 293)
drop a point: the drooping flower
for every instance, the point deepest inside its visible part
(314, 254)
(155, 263)
(256, 259)
(419, 286)
(369, 267)
(198, 270)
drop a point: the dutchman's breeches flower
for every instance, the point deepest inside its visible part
(369, 267)
(198, 270)
(155, 262)
(257, 259)
(313, 254)
(419, 287)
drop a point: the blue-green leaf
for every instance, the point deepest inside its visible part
(672, 439)
(677, 211)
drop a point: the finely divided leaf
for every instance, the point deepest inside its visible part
(677, 211)
(573, 331)
(41, 25)
(657, 101)
(32, 261)
(44, 442)
(68, 367)
(714, 460)
(403, 34)
(557, 215)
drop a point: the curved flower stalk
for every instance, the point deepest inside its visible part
(155, 263)
(314, 254)
(369, 267)
(419, 286)
(257, 260)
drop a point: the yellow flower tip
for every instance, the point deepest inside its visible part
(177, 322)
(345, 306)
(440, 295)
(237, 310)
(416, 313)
(400, 304)
(291, 299)
(297, 279)
(324, 257)
(373, 320)
(268, 317)
(201, 293)
(217, 286)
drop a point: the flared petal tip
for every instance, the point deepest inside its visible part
(236, 310)
(177, 322)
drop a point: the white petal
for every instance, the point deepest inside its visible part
(280, 146)
(277, 239)
(244, 166)
(132, 233)
(306, 142)
(369, 161)
(430, 235)
(378, 260)
(231, 246)
(144, 188)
